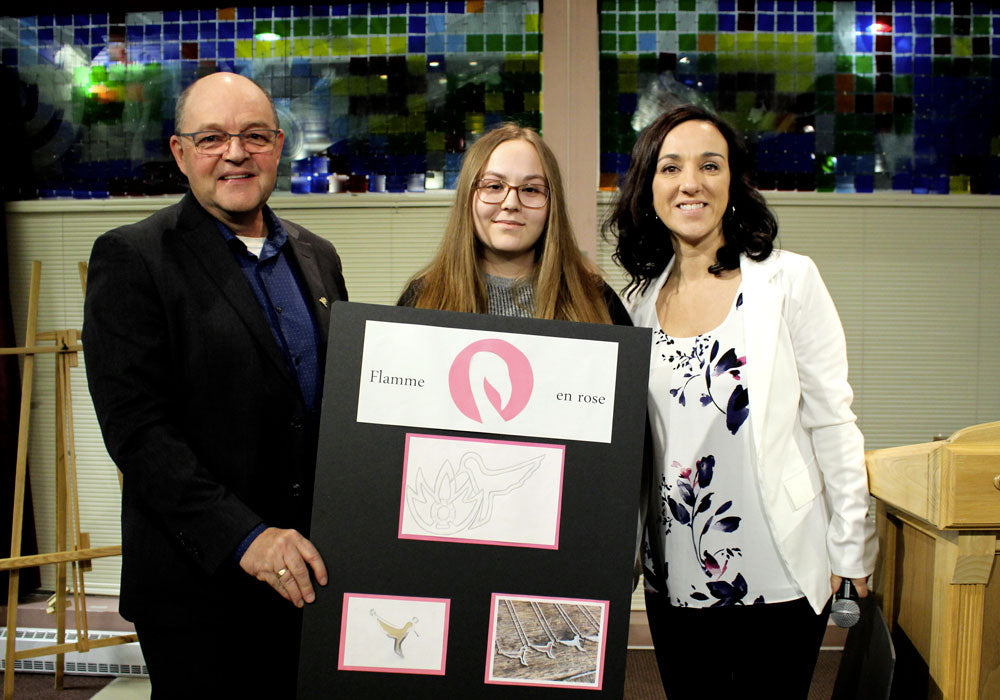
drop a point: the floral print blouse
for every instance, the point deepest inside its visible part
(716, 547)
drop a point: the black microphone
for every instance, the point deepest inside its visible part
(845, 611)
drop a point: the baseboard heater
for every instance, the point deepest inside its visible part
(119, 660)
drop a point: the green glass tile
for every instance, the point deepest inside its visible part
(825, 83)
(494, 42)
(727, 63)
(824, 24)
(863, 85)
(647, 5)
(627, 42)
(338, 27)
(301, 27)
(825, 103)
(397, 25)
(283, 27)
(687, 42)
(902, 124)
(263, 26)
(746, 61)
(609, 5)
(98, 74)
(647, 22)
(532, 64)
(745, 101)
(475, 42)
(626, 5)
(707, 63)
(768, 62)
(786, 62)
(515, 42)
(667, 21)
(980, 25)
(609, 42)
(359, 26)
(942, 66)
(533, 42)
(648, 63)
(687, 5)
(706, 23)
(416, 65)
(942, 25)
(904, 85)
(320, 27)
(626, 23)
(824, 6)
(824, 43)
(608, 22)
(981, 67)
(378, 25)
(845, 64)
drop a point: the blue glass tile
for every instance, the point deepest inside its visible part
(628, 102)
(435, 24)
(301, 11)
(378, 8)
(96, 54)
(647, 41)
(901, 181)
(442, 64)
(46, 35)
(189, 15)
(171, 16)
(283, 11)
(903, 44)
(765, 6)
(727, 23)
(151, 32)
(863, 6)
(786, 6)
(863, 22)
(418, 25)
(455, 43)
(456, 7)
(397, 8)
(922, 46)
(301, 68)
(151, 53)
(133, 33)
(902, 24)
(435, 43)
(27, 22)
(996, 24)
(226, 49)
(786, 23)
(64, 20)
(81, 20)
(227, 30)
(727, 5)
(206, 49)
(864, 183)
(9, 57)
(804, 23)
(415, 44)
(996, 52)
(863, 43)
(359, 8)
(263, 12)
(922, 25)
(81, 37)
(940, 184)
(207, 30)
(339, 10)
(207, 15)
(903, 7)
(244, 30)
(765, 23)
(244, 13)
(942, 7)
(171, 32)
(435, 7)
(189, 32)
(45, 20)
(844, 183)
(904, 65)
(418, 8)
(804, 6)
(46, 55)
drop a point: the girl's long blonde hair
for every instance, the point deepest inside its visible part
(566, 285)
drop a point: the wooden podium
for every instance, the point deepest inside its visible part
(938, 513)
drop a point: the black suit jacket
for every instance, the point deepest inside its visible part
(198, 408)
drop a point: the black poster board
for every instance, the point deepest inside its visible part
(357, 525)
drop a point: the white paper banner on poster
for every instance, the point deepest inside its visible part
(486, 381)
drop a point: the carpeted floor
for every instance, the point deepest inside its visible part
(642, 680)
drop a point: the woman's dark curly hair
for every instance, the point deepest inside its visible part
(644, 243)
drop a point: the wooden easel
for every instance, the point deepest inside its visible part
(72, 545)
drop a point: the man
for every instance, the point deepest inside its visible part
(205, 332)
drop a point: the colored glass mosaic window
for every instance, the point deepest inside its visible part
(831, 96)
(371, 95)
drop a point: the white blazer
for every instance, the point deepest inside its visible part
(804, 439)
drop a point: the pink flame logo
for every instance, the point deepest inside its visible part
(522, 380)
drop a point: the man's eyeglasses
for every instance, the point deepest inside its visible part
(531, 195)
(215, 143)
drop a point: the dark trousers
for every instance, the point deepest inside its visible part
(222, 658)
(765, 651)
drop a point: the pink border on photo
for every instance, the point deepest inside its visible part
(491, 644)
(501, 543)
(391, 669)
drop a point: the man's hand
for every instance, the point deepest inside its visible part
(285, 552)
(861, 584)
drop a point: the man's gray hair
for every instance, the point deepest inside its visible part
(182, 100)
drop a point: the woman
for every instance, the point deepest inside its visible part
(762, 490)
(509, 248)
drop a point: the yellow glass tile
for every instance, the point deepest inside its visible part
(339, 46)
(263, 49)
(766, 62)
(494, 102)
(784, 81)
(340, 86)
(378, 45)
(321, 47)
(765, 41)
(627, 63)
(727, 63)
(746, 61)
(377, 123)
(416, 103)
(359, 45)
(786, 43)
(416, 123)
(806, 43)
(397, 44)
(805, 63)
(435, 141)
(959, 184)
(282, 48)
(244, 48)
(628, 82)
(531, 23)
(727, 42)
(301, 47)
(377, 85)
(804, 82)
(532, 102)
(961, 46)
(397, 124)
(744, 42)
(475, 122)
